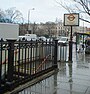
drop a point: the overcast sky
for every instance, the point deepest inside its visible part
(45, 10)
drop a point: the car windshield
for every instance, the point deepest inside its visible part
(63, 39)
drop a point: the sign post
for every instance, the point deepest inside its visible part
(71, 20)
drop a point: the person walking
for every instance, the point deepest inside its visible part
(81, 47)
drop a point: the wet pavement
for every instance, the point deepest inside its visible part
(72, 78)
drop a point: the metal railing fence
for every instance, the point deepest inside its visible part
(22, 61)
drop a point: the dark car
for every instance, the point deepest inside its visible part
(87, 44)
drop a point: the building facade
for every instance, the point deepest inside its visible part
(50, 29)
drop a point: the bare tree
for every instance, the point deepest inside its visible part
(2, 15)
(34, 27)
(49, 27)
(80, 6)
(14, 15)
(11, 15)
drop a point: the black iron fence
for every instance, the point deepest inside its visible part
(22, 61)
(62, 52)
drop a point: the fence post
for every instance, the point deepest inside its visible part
(55, 54)
(10, 60)
(1, 60)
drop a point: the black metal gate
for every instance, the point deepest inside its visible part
(23, 61)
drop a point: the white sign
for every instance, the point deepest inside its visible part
(71, 19)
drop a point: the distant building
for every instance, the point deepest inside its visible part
(51, 29)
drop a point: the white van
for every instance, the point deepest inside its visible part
(32, 37)
(28, 37)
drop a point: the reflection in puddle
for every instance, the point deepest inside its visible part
(83, 60)
(46, 86)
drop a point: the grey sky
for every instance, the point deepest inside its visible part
(45, 10)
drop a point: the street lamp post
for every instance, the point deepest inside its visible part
(29, 17)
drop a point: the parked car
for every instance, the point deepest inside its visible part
(63, 40)
(42, 38)
(28, 37)
(87, 44)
